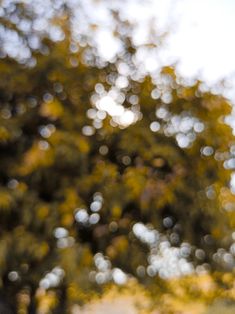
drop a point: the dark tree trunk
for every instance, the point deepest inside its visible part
(62, 301)
(32, 307)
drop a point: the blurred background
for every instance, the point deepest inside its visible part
(117, 156)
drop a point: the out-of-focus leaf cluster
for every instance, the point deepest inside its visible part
(108, 174)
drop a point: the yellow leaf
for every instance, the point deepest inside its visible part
(52, 109)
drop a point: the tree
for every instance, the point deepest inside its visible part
(105, 172)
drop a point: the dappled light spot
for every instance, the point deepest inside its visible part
(5, 113)
(198, 127)
(43, 145)
(91, 113)
(155, 126)
(65, 242)
(105, 273)
(47, 97)
(202, 269)
(181, 126)
(166, 98)
(111, 103)
(200, 254)
(12, 184)
(126, 160)
(123, 68)
(207, 151)
(232, 183)
(162, 113)
(155, 94)
(97, 123)
(229, 164)
(141, 271)
(232, 249)
(182, 140)
(81, 216)
(101, 278)
(113, 226)
(121, 82)
(95, 206)
(134, 100)
(127, 118)
(108, 104)
(94, 218)
(60, 232)
(168, 222)
(99, 88)
(63, 238)
(52, 279)
(101, 114)
(74, 62)
(13, 276)
(147, 235)
(119, 276)
(58, 87)
(210, 193)
(47, 130)
(88, 130)
(103, 150)
(165, 260)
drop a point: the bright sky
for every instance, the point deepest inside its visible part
(203, 39)
(201, 33)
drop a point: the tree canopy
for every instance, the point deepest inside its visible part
(107, 172)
